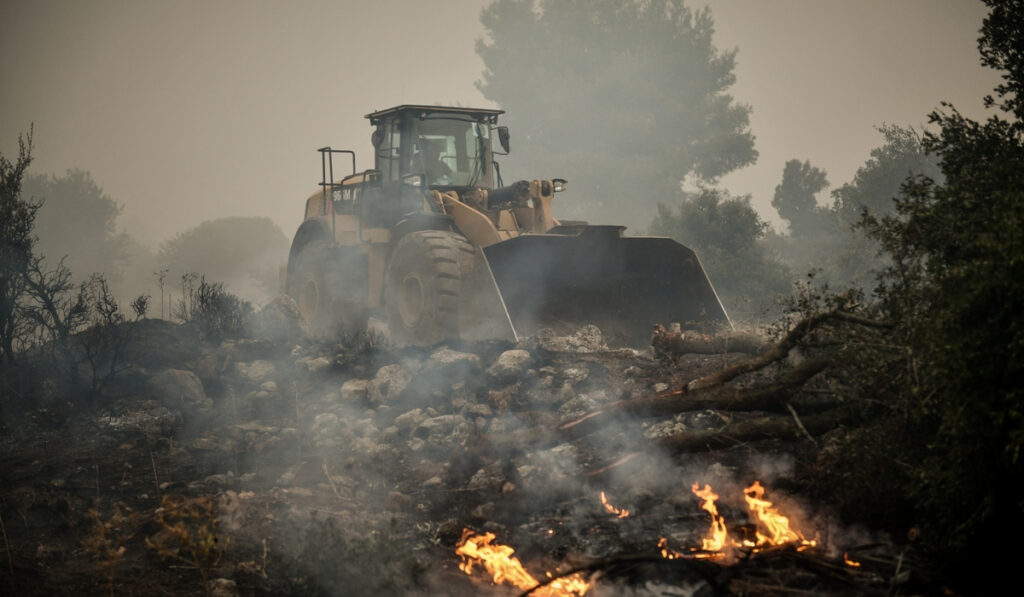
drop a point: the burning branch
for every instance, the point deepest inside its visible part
(497, 559)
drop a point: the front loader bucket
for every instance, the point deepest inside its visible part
(624, 285)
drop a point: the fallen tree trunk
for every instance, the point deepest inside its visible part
(761, 428)
(769, 397)
(677, 343)
(705, 393)
(780, 349)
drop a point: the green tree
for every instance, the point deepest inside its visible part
(827, 239)
(956, 286)
(725, 232)
(77, 222)
(876, 184)
(623, 98)
(795, 197)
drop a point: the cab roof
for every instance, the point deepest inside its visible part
(481, 114)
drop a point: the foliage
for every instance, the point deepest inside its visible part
(795, 197)
(76, 222)
(50, 326)
(725, 231)
(623, 98)
(879, 180)
(108, 538)
(217, 313)
(190, 533)
(827, 239)
(955, 284)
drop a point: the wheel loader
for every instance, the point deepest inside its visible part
(431, 241)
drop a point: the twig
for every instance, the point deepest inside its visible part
(799, 423)
(152, 461)
(331, 481)
(705, 569)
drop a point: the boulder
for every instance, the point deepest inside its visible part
(451, 365)
(256, 371)
(390, 383)
(510, 365)
(178, 389)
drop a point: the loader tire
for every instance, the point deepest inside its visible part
(424, 284)
(321, 284)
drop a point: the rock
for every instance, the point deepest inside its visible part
(355, 391)
(487, 478)
(390, 383)
(575, 375)
(510, 365)
(586, 339)
(478, 410)
(451, 365)
(582, 404)
(408, 421)
(223, 587)
(178, 389)
(313, 364)
(256, 371)
(444, 431)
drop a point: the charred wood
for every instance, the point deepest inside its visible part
(673, 343)
(761, 428)
(769, 397)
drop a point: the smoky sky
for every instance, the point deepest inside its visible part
(185, 110)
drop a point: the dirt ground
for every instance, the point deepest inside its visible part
(271, 467)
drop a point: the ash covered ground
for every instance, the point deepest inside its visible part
(280, 465)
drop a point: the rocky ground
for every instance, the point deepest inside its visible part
(279, 465)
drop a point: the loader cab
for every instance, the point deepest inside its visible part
(434, 147)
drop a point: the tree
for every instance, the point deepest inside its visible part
(876, 184)
(956, 287)
(624, 98)
(17, 217)
(77, 222)
(827, 239)
(725, 232)
(795, 197)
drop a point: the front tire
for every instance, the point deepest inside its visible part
(423, 286)
(328, 290)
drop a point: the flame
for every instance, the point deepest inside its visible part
(849, 562)
(717, 541)
(619, 513)
(504, 568)
(667, 553)
(718, 534)
(769, 519)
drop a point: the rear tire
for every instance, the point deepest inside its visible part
(327, 291)
(423, 286)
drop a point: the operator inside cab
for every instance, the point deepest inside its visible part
(437, 171)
